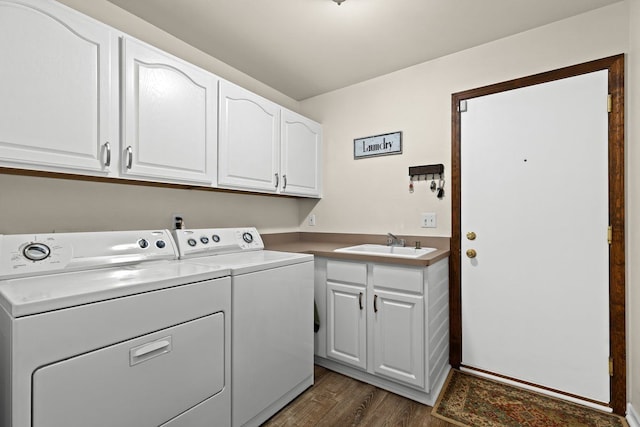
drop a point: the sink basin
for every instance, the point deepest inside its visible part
(383, 250)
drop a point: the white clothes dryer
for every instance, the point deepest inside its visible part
(110, 329)
(272, 318)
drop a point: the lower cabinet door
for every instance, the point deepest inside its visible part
(145, 381)
(398, 337)
(347, 324)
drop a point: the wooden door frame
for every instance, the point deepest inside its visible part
(615, 67)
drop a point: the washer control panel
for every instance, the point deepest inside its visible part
(34, 254)
(213, 241)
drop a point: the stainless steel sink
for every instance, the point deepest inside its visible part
(383, 250)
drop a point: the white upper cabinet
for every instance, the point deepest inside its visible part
(301, 155)
(169, 116)
(77, 96)
(58, 90)
(249, 140)
(263, 147)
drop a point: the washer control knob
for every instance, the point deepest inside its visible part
(192, 242)
(144, 243)
(247, 237)
(36, 251)
(204, 239)
(160, 244)
(215, 238)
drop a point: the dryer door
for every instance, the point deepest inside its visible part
(145, 381)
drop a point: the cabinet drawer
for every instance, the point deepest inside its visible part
(352, 272)
(399, 278)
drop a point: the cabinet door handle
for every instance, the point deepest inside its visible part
(129, 157)
(360, 300)
(375, 303)
(107, 149)
(284, 182)
(277, 180)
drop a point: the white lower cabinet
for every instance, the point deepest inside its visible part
(398, 336)
(385, 324)
(347, 323)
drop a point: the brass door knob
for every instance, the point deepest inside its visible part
(471, 253)
(471, 235)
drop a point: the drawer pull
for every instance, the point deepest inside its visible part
(277, 180)
(150, 350)
(375, 303)
(360, 300)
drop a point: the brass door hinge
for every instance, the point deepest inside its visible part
(611, 366)
(609, 103)
(609, 234)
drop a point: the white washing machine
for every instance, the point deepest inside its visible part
(272, 318)
(110, 329)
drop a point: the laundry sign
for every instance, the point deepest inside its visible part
(378, 145)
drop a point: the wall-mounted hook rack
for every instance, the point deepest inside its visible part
(416, 172)
(426, 170)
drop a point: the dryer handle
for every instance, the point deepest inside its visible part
(144, 352)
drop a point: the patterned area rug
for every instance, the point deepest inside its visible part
(469, 400)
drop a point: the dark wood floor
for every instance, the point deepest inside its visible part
(336, 400)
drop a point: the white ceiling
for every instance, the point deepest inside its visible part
(307, 47)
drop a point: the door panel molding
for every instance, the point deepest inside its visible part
(615, 67)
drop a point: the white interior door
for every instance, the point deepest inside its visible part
(534, 190)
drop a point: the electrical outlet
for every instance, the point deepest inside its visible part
(428, 220)
(312, 220)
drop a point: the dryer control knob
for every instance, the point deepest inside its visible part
(247, 237)
(192, 242)
(36, 251)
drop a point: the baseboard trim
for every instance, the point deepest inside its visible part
(632, 416)
(408, 392)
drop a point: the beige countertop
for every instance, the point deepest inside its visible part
(324, 244)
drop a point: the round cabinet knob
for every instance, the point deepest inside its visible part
(471, 235)
(36, 251)
(471, 253)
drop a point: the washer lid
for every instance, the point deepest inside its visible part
(249, 262)
(32, 295)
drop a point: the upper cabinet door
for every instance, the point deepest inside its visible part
(57, 90)
(169, 117)
(249, 140)
(301, 155)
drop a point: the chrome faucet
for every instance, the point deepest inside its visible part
(393, 240)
